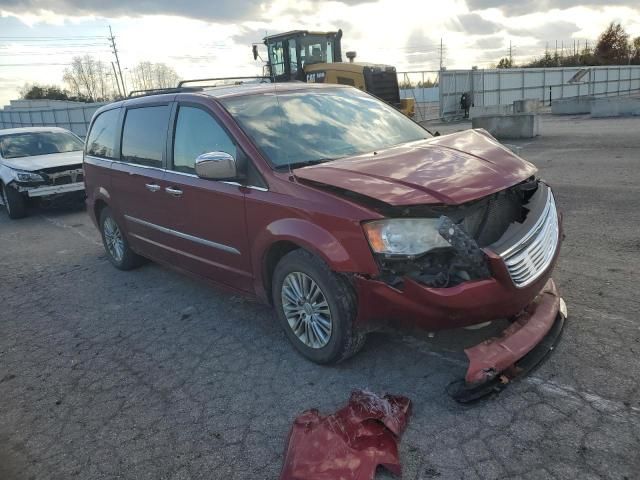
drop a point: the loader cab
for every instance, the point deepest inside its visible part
(316, 57)
(290, 53)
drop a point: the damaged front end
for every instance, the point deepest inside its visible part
(495, 263)
(468, 229)
(50, 182)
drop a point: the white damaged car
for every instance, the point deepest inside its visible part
(38, 162)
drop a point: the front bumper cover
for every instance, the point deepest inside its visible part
(532, 335)
(46, 191)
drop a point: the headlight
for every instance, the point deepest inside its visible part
(27, 176)
(404, 236)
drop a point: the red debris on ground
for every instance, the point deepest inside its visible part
(351, 443)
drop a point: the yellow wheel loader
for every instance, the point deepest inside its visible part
(316, 57)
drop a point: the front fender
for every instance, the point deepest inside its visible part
(6, 176)
(349, 254)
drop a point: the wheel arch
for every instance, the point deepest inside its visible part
(286, 235)
(98, 206)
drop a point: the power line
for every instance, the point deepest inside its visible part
(46, 39)
(32, 64)
(49, 54)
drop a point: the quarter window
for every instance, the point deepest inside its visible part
(197, 132)
(144, 135)
(102, 138)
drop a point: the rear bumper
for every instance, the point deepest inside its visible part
(52, 190)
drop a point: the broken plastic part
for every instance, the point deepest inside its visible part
(351, 443)
(464, 245)
(494, 363)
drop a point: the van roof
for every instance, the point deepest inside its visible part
(257, 88)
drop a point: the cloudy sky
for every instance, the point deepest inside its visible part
(213, 37)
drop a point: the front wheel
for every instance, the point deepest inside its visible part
(316, 308)
(14, 202)
(116, 244)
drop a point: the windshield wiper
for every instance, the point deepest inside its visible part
(305, 163)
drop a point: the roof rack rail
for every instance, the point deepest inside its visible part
(159, 91)
(238, 80)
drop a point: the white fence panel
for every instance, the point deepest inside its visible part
(504, 86)
(74, 116)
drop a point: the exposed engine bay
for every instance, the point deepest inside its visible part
(468, 229)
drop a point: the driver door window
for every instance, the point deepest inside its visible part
(276, 57)
(197, 132)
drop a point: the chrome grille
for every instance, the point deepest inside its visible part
(531, 256)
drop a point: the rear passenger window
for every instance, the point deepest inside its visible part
(102, 138)
(144, 135)
(197, 132)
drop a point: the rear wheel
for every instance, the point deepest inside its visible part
(14, 202)
(116, 244)
(316, 308)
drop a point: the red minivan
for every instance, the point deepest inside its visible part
(335, 208)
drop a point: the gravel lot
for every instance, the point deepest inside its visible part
(151, 375)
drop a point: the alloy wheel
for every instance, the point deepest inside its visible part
(306, 310)
(113, 239)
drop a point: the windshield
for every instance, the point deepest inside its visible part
(297, 128)
(30, 144)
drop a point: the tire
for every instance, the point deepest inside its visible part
(115, 243)
(313, 342)
(14, 202)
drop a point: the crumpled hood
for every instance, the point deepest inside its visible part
(39, 162)
(451, 169)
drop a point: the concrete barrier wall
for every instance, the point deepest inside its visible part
(528, 105)
(490, 110)
(572, 106)
(515, 126)
(614, 107)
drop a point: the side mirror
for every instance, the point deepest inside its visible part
(255, 51)
(216, 166)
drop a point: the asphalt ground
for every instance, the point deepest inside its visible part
(151, 375)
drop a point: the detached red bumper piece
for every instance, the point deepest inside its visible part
(523, 345)
(351, 443)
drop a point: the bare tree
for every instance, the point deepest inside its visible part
(148, 75)
(88, 77)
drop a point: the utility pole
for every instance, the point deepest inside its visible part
(441, 53)
(115, 52)
(115, 77)
(510, 54)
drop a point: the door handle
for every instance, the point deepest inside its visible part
(152, 187)
(176, 192)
